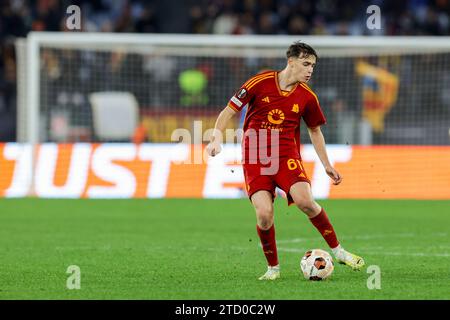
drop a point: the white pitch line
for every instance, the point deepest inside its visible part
(417, 254)
(362, 237)
(387, 253)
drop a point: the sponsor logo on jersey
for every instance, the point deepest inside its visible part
(276, 116)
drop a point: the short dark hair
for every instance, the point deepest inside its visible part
(300, 48)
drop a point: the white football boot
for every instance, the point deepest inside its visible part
(272, 273)
(352, 260)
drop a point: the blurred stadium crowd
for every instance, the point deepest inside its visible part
(303, 17)
(315, 17)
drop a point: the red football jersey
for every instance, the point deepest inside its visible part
(271, 110)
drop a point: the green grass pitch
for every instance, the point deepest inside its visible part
(208, 249)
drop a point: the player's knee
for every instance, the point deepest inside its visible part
(307, 207)
(264, 210)
(264, 216)
(265, 223)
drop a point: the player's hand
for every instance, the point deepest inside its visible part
(213, 148)
(334, 175)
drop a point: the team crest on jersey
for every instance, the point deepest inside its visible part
(295, 108)
(241, 94)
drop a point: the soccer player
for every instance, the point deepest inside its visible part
(277, 100)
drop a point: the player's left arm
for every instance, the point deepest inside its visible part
(314, 118)
(318, 141)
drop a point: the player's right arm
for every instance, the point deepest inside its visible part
(214, 146)
(244, 96)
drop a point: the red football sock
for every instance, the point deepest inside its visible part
(269, 244)
(325, 228)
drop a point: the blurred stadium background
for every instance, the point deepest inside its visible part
(90, 113)
(150, 67)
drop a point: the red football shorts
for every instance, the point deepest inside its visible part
(290, 171)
